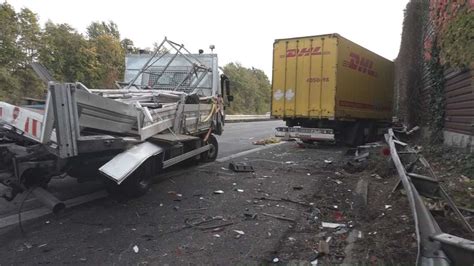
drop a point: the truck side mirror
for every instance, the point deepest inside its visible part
(225, 87)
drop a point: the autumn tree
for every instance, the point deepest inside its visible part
(19, 37)
(251, 89)
(105, 39)
(68, 55)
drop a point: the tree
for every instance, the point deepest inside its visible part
(105, 38)
(110, 57)
(68, 54)
(19, 37)
(30, 34)
(10, 53)
(251, 90)
(97, 29)
(128, 46)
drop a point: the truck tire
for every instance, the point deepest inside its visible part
(138, 183)
(211, 154)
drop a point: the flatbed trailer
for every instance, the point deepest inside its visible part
(125, 135)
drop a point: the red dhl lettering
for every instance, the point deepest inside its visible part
(305, 52)
(361, 64)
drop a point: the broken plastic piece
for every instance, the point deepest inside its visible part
(332, 225)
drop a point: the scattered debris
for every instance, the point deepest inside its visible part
(104, 230)
(195, 210)
(279, 217)
(240, 190)
(219, 192)
(323, 247)
(240, 232)
(337, 181)
(376, 176)
(217, 235)
(332, 225)
(388, 207)
(250, 216)
(327, 161)
(275, 260)
(135, 249)
(361, 157)
(241, 167)
(271, 140)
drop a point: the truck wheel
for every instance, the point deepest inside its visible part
(138, 183)
(211, 154)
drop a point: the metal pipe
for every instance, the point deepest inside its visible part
(48, 199)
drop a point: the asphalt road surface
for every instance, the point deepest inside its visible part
(237, 137)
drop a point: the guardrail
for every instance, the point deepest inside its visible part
(243, 118)
(434, 246)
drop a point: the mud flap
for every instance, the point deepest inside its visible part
(125, 163)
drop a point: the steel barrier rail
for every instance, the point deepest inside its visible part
(434, 246)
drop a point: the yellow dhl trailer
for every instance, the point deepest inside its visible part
(328, 88)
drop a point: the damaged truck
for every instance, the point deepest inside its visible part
(168, 109)
(328, 88)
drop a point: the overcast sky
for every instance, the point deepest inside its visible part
(242, 30)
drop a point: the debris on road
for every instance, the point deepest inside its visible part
(219, 192)
(323, 247)
(361, 157)
(328, 161)
(332, 225)
(240, 232)
(279, 217)
(241, 167)
(271, 140)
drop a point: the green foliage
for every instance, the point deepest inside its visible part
(110, 57)
(251, 90)
(457, 42)
(9, 86)
(68, 54)
(97, 29)
(19, 38)
(29, 35)
(437, 98)
(10, 53)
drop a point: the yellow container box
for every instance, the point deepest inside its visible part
(330, 77)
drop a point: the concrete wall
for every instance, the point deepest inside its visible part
(459, 140)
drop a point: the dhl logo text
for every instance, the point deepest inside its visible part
(305, 52)
(361, 64)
